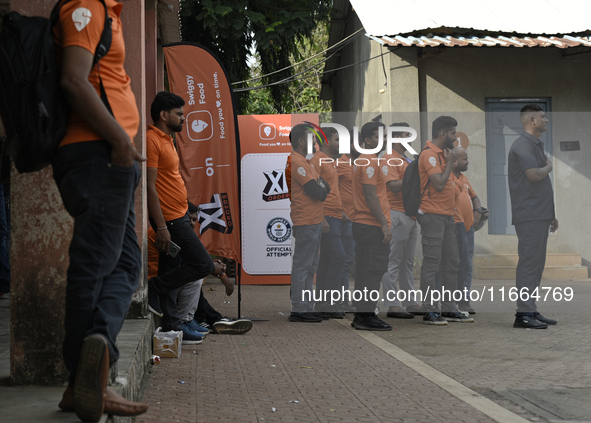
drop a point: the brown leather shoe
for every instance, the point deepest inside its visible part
(67, 402)
(116, 405)
(91, 379)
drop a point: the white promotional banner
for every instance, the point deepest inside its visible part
(267, 227)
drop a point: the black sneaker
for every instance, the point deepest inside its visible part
(433, 318)
(227, 326)
(335, 314)
(154, 304)
(345, 307)
(320, 314)
(457, 316)
(543, 319)
(528, 322)
(304, 318)
(370, 323)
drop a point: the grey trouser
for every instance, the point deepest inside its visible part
(187, 300)
(440, 246)
(304, 265)
(533, 238)
(401, 261)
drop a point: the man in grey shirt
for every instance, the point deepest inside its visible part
(532, 206)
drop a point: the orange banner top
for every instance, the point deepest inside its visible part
(208, 146)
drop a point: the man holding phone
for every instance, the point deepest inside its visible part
(168, 210)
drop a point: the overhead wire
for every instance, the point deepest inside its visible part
(239, 90)
(305, 60)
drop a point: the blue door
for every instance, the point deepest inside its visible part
(503, 126)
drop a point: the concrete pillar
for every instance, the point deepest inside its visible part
(133, 19)
(41, 233)
(151, 55)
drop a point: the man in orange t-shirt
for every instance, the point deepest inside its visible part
(438, 231)
(467, 212)
(96, 173)
(167, 207)
(401, 262)
(332, 254)
(344, 166)
(308, 192)
(371, 229)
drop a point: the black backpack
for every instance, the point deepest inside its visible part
(34, 110)
(411, 187)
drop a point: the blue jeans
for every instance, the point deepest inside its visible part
(4, 260)
(105, 258)
(305, 263)
(349, 247)
(330, 265)
(195, 264)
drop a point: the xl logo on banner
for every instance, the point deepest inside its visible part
(211, 215)
(276, 188)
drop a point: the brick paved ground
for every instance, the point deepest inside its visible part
(338, 376)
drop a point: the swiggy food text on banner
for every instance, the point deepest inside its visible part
(266, 223)
(208, 144)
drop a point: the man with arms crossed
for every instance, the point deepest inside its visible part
(96, 173)
(332, 253)
(438, 231)
(308, 192)
(532, 206)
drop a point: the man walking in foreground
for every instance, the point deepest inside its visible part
(96, 173)
(532, 206)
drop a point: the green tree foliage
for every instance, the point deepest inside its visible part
(275, 28)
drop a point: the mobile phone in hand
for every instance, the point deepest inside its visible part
(174, 249)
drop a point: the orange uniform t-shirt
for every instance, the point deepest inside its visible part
(464, 206)
(81, 24)
(332, 206)
(397, 164)
(170, 186)
(432, 162)
(375, 173)
(305, 210)
(345, 171)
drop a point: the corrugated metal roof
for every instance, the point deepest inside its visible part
(387, 17)
(564, 41)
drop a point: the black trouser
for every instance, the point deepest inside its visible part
(440, 249)
(205, 312)
(533, 238)
(196, 264)
(105, 258)
(371, 262)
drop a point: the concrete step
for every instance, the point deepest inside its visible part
(550, 272)
(552, 259)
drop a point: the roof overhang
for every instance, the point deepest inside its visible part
(388, 17)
